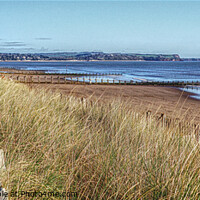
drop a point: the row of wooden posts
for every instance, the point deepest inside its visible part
(60, 79)
(183, 127)
(66, 79)
(180, 126)
(63, 80)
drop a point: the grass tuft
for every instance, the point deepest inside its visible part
(56, 143)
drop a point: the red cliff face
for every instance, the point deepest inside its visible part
(177, 57)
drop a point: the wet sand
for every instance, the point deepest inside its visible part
(170, 101)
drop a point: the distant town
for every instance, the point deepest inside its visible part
(91, 56)
(87, 56)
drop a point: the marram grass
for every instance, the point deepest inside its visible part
(56, 143)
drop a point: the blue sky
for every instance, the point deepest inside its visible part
(109, 26)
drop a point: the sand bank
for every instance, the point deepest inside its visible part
(170, 101)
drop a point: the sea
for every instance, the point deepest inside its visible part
(129, 70)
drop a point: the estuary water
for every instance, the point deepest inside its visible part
(130, 70)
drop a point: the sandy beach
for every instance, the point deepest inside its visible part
(171, 101)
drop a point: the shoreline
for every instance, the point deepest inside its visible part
(93, 61)
(191, 95)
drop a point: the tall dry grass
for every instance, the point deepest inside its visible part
(99, 151)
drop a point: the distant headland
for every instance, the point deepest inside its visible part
(91, 56)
